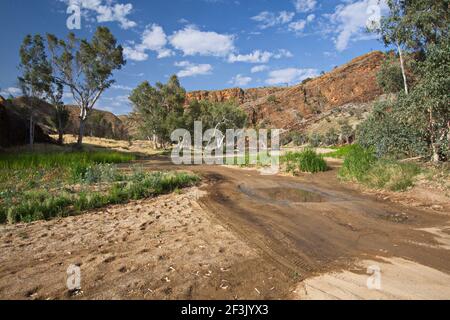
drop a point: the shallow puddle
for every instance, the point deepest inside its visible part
(284, 195)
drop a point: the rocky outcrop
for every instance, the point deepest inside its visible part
(237, 95)
(292, 107)
(14, 122)
(14, 128)
(101, 124)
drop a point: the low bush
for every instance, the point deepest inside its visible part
(95, 173)
(357, 163)
(362, 166)
(305, 161)
(341, 152)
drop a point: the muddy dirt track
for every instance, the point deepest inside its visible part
(313, 224)
(242, 235)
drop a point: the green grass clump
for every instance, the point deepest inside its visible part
(362, 166)
(39, 205)
(249, 159)
(61, 159)
(305, 161)
(95, 173)
(357, 163)
(341, 152)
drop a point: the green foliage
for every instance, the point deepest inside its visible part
(85, 68)
(158, 110)
(346, 131)
(61, 159)
(36, 70)
(427, 108)
(96, 173)
(272, 99)
(220, 116)
(362, 166)
(39, 205)
(315, 140)
(341, 152)
(390, 77)
(384, 131)
(331, 137)
(297, 138)
(357, 163)
(415, 24)
(415, 123)
(305, 161)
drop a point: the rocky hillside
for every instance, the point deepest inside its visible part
(237, 95)
(101, 124)
(14, 127)
(15, 114)
(296, 107)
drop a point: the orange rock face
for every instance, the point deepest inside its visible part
(237, 95)
(288, 108)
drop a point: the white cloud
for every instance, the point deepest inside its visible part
(256, 56)
(153, 39)
(300, 25)
(297, 26)
(192, 42)
(240, 80)
(106, 11)
(283, 53)
(305, 5)
(191, 70)
(259, 56)
(269, 19)
(260, 68)
(11, 91)
(134, 54)
(121, 87)
(351, 20)
(310, 18)
(290, 76)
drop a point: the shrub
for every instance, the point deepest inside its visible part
(96, 173)
(297, 138)
(388, 135)
(362, 166)
(305, 161)
(341, 152)
(392, 175)
(272, 99)
(357, 162)
(315, 140)
(331, 137)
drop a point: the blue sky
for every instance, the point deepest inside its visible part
(210, 44)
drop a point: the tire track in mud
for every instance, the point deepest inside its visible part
(326, 227)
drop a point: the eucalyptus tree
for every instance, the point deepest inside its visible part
(86, 68)
(61, 115)
(35, 75)
(158, 110)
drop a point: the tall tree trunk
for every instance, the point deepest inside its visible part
(60, 138)
(31, 123)
(60, 130)
(81, 133)
(434, 144)
(402, 64)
